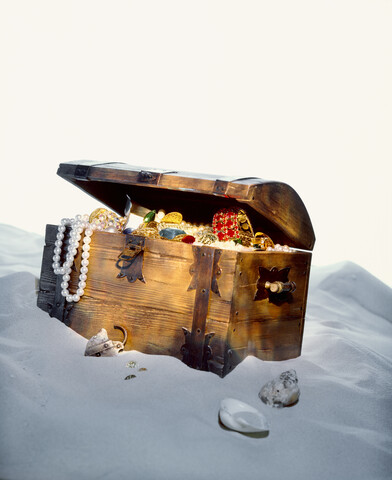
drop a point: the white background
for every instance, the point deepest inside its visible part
(296, 91)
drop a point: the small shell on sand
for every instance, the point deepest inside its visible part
(241, 417)
(100, 346)
(282, 391)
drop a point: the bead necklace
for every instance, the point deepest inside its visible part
(77, 224)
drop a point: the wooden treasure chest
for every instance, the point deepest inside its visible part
(203, 268)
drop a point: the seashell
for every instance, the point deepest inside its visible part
(241, 417)
(170, 233)
(172, 217)
(100, 346)
(282, 391)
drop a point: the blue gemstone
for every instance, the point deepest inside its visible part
(170, 233)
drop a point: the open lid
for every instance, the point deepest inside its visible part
(273, 208)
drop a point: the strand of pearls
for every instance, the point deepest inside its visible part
(77, 224)
(280, 248)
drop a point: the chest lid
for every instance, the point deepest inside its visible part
(272, 207)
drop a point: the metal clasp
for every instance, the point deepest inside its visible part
(130, 260)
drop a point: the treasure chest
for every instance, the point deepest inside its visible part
(208, 269)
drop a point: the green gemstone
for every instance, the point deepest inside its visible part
(149, 217)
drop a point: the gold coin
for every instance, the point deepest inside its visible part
(172, 217)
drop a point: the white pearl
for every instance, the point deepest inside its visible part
(78, 225)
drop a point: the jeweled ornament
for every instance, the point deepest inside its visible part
(232, 223)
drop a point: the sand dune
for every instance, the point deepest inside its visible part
(66, 416)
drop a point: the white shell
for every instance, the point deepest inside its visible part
(282, 391)
(100, 337)
(241, 417)
(100, 345)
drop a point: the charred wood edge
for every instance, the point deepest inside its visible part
(196, 351)
(50, 299)
(267, 277)
(306, 274)
(130, 260)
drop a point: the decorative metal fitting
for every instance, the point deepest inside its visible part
(279, 287)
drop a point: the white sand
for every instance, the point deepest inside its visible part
(66, 416)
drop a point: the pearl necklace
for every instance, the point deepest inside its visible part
(78, 224)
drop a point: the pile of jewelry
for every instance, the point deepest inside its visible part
(230, 230)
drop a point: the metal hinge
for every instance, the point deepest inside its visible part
(196, 351)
